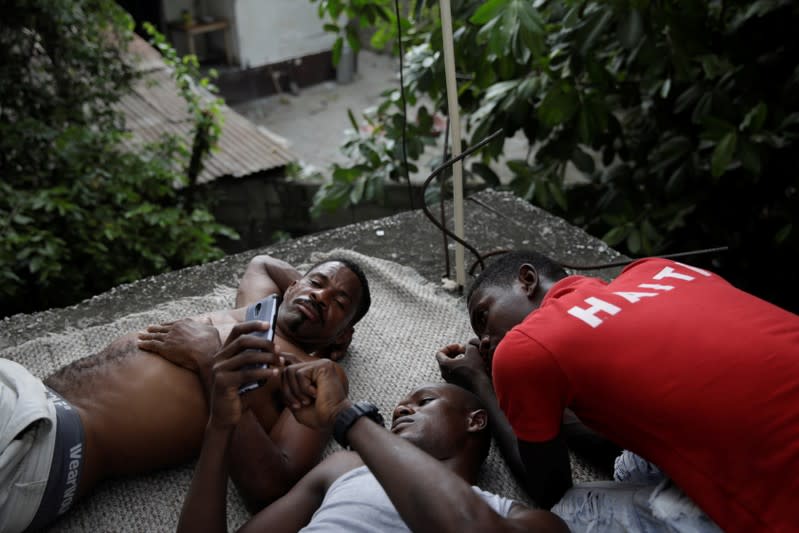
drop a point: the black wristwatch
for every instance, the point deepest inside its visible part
(347, 418)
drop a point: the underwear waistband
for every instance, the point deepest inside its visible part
(67, 464)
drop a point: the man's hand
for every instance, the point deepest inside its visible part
(234, 365)
(461, 364)
(316, 392)
(187, 343)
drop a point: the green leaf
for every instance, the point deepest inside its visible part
(783, 233)
(599, 75)
(702, 108)
(485, 172)
(687, 98)
(723, 154)
(559, 105)
(634, 241)
(631, 29)
(487, 11)
(597, 26)
(583, 161)
(755, 118)
(352, 120)
(615, 235)
(592, 121)
(665, 88)
(557, 194)
(530, 18)
(357, 190)
(337, 50)
(750, 156)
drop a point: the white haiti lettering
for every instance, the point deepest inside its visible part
(596, 305)
(635, 297)
(75, 453)
(589, 315)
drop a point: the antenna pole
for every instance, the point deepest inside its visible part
(455, 131)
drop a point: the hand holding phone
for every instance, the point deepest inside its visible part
(265, 311)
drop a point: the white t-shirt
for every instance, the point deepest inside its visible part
(357, 503)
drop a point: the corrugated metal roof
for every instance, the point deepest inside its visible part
(155, 109)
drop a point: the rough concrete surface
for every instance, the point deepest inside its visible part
(407, 238)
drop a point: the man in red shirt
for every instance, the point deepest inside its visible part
(667, 360)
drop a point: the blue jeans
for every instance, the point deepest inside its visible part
(641, 499)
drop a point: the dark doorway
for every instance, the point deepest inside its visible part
(145, 11)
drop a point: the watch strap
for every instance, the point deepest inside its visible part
(349, 416)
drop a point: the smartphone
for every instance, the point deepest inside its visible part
(265, 311)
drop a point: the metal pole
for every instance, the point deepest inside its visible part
(455, 130)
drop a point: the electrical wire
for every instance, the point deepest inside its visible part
(441, 168)
(479, 258)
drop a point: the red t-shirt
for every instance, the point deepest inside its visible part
(675, 364)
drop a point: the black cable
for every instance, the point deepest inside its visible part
(479, 258)
(624, 262)
(599, 266)
(441, 168)
(404, 105)
(620, 262)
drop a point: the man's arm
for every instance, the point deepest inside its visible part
(205, 508)
(462, 365)
(427, 495)
(286, 453)
(205, 505)
(265, 275)
(548, 470)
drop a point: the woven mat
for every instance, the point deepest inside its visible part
(391, 353)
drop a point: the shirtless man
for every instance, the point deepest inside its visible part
(138, 405)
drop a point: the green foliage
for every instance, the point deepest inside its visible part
(80, 212)
(683, 117)
(344, 17)
(374, 152)
(205, 110)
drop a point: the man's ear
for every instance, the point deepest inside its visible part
(478, 420)
(528, 277)
(338, 348)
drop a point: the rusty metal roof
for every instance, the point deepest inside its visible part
(155, 109)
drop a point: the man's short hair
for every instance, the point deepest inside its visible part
(366, 297)
(504, 270)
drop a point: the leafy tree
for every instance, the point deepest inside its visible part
(683, 117)
(81, 212)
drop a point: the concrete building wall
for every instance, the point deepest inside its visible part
(263, 32)
(271, 31)
(260, 206)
